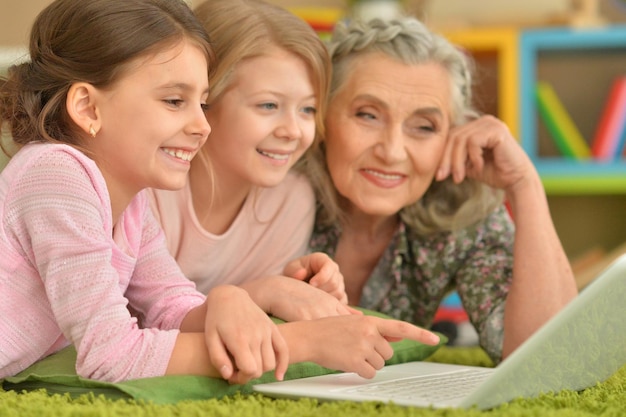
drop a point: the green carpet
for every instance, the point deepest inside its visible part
(606, 399)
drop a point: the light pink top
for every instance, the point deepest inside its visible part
(272, 228)
(66, 276)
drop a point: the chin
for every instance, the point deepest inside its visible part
(383, 213)
(380, 210)
(269, 182)
(172, 185)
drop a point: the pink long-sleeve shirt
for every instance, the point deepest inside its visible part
(68, 275)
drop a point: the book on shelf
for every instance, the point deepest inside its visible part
(621, 146)
(562, 128)
(620, 149)
(608, 141)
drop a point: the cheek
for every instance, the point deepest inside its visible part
(342, 143)
(425, 158)
(338, 155)
(340, 168)
(308, 134)
(343, 152)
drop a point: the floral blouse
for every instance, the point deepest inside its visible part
(416, 272)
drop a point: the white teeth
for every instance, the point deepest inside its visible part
(384, 176)
(178, 153)
(280, 157)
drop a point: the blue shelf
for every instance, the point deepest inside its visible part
(578, 168)
(566, 175)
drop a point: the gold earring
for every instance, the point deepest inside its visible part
(92, 131)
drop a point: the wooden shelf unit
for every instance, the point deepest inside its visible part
(503, 42)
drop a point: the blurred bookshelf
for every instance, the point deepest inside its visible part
(495, 50)
(587, 197)
(581, 65)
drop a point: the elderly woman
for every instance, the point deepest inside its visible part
(411, 184)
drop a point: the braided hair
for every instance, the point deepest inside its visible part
(445, 206)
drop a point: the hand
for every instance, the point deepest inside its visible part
(319, 270)
(485, 150)
(291, 300)
(352, 343)
(235, 327)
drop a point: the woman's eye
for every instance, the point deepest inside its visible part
(310, 110)
(365, 115)
(422, 129)
(422, 125)
(427, 128)
(205, 107)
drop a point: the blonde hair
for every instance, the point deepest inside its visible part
(244, 29)
(445, 206)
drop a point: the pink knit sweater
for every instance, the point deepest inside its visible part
(68, 276)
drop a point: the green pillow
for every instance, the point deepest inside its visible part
(57, 374)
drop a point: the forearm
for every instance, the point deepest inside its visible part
(298, 341)
(190, 356)
(257, 289)
(543, 281)
(194, 320)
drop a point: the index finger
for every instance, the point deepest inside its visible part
(282, 354)
(324, 274)
(306, 266)
(220, 359)
(296, 269)
(396, 330)
(444, 164)
(453, 141)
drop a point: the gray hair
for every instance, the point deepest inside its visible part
(445, 206)
(409, 41)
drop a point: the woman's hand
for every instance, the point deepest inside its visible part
(242, 340)
(354, 343)
(319, 270)
(485, 150)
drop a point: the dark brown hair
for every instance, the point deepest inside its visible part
(86, 41)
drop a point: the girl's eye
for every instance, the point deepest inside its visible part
(268, 106)
(205, 107)
(175, 102)
(310, 110)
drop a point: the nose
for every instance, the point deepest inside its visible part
(391, 146)
(289, 127)
(199, 125)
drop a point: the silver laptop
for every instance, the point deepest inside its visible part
(583, 344)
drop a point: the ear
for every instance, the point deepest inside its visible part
(82, 109)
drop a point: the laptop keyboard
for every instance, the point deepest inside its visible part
(431, 388)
